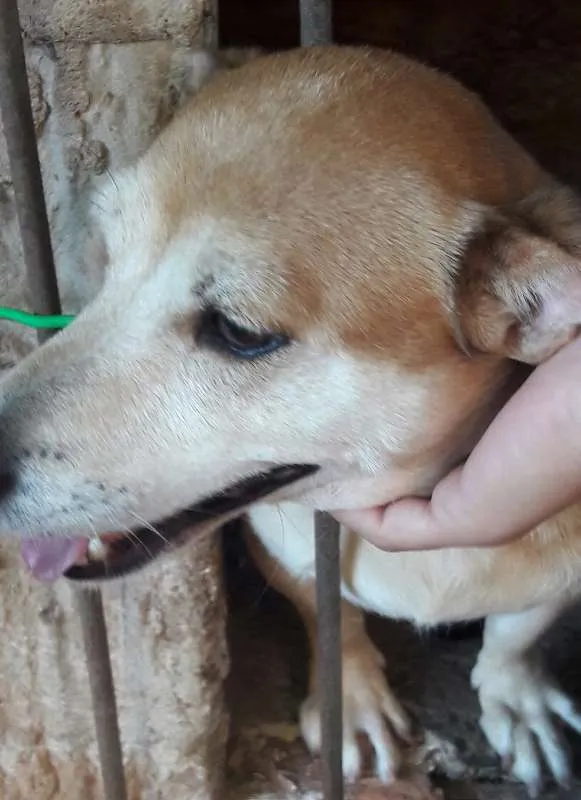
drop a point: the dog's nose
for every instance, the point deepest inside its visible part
(7, 484)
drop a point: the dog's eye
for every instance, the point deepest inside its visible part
(219, 332)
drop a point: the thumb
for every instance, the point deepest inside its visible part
(407, 524)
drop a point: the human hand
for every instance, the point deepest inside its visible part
(526, 468)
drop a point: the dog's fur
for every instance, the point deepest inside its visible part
(373, 211)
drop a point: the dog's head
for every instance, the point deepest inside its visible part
(320, 273)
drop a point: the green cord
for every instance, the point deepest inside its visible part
(36, 320)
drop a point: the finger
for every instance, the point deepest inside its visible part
(418, 524)
(405, 525)
(365, 521)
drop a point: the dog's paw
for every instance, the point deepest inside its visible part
(369, 708)
(522, 709)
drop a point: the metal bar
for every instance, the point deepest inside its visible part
(18, 125)
(317, 28)
(328, 566)
(316, 22)
(212, 25)
(91, 613)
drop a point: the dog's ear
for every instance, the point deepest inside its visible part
(518, 287)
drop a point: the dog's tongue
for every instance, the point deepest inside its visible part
(49, 559)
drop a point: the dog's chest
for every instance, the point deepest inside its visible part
(427, 588)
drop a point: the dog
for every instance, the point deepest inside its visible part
(326, 276)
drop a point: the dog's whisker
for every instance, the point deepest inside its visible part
(281, 517)
(270, 579)
(140, 543)
(150, 527)
(132, 535)
(284, 518)
(99, 207)
(112, 177)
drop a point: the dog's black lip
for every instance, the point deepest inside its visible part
(125, 554)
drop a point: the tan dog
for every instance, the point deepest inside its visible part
(322, 275)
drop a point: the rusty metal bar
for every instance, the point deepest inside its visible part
(317, 28)
(91, 614)
(212, 25)
(316, 22)
(18, 126)
(328, 566)
(20, 136)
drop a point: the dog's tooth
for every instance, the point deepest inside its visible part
(97, 549)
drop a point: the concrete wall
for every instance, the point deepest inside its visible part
(105, 75)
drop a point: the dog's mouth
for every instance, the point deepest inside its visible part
(116, 555)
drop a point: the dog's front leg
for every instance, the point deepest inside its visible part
(519, 700)
(369, 705)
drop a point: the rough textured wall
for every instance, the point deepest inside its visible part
(105, 75)
(169, 662)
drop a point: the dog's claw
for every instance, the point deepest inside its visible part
(370, 708)
(519, 706)
(566, 784)
(534, 789)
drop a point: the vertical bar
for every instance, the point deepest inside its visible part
(20, 136)
(18, 126)
(212, 25)
(91, 614)
(316, 22)
(317, 28)
(329, 672)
